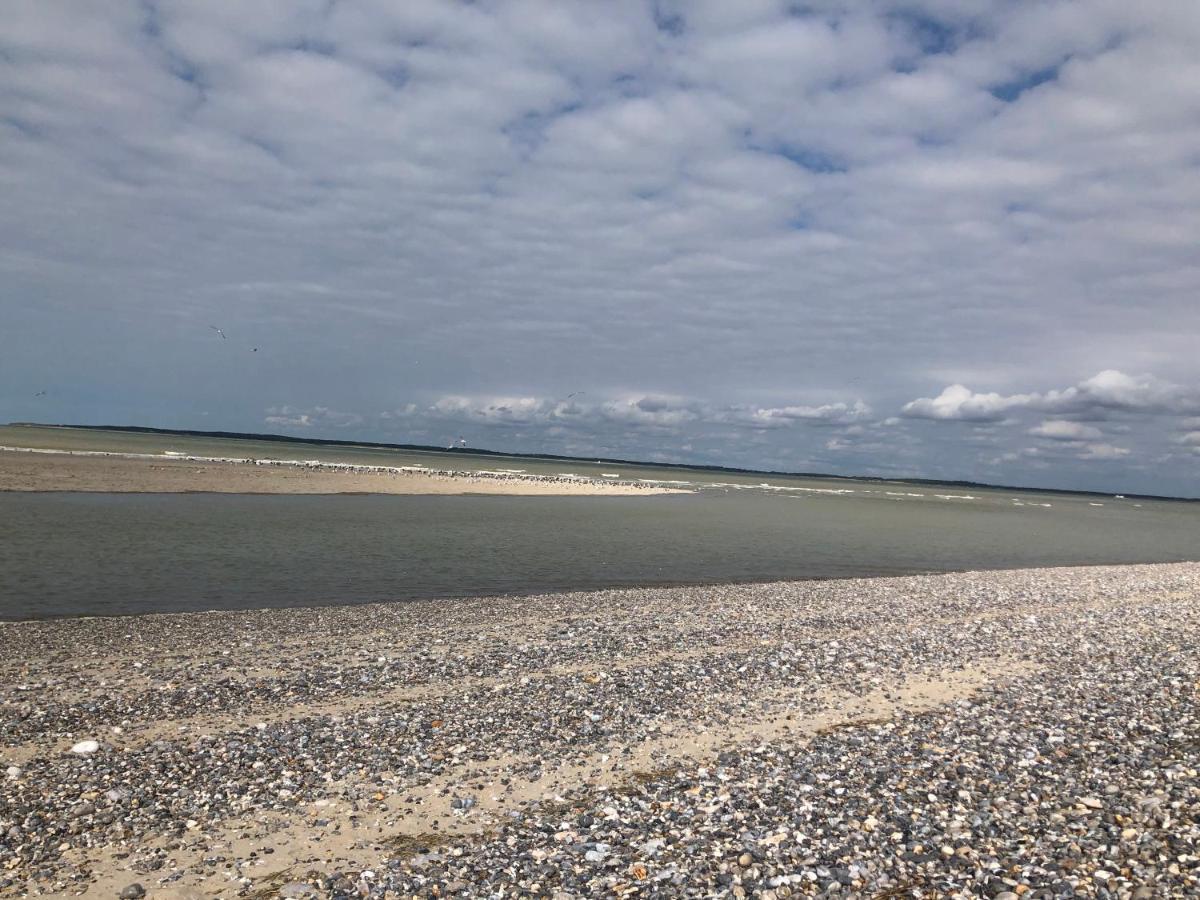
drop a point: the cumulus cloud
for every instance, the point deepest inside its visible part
(1063, 430)
(959, 403)
(1106, 392)
(828, 413)
(1103, 452)
(632, 410)
(493, 411)
(1113, 390)
(657, 412)
(642, 410)
(317, 417)
(709, 201)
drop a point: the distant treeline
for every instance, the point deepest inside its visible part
(685, 467)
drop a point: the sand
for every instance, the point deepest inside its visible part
(22, 470)
(241, 751)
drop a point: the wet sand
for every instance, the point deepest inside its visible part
(1029, 733)
(23, 470)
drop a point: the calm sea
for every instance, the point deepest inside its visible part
(103, 554)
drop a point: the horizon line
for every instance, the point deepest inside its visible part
(480, 451)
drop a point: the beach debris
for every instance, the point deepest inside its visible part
(296, 890)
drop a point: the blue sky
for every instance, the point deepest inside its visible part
(943, 239)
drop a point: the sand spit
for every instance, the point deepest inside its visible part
(1032, 733)
(26, 469)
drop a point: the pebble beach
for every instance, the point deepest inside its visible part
(1026, 733)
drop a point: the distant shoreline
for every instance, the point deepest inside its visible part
(39, 470)
(686, 467)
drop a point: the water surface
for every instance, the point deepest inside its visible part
(100, 554)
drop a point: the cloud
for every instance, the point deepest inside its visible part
(503, 411)
(1112, 390)
(1103, 452)
(633, 411)
(1189, 440)
(671, 206)
(651, 411)
(317, 417)
(829, 413)
(1063, 430)
(1104, 393)
(658, 411)
(959, 403)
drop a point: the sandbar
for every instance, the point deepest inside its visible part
(44, 470)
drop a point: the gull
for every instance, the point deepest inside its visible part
(219, 331)
(40, 394)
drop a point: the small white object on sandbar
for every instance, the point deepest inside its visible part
(83, 748)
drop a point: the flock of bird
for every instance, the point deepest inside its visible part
(224, 338)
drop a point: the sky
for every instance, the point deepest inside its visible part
(940, 238)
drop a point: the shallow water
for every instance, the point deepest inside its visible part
(98, 554)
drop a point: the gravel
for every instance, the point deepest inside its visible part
(1031, 733)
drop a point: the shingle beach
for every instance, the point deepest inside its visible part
(1030, 733)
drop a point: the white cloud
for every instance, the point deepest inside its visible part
(709, 201)
(285, 419)
(1063, 430)
(652, 411)
(1109, 391)
(494, 410)
(317, 417)
(1103, 452)
(829, 413)
(959, 403)
(1113, 390)
(631, 410)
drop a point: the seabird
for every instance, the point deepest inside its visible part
(219, 331)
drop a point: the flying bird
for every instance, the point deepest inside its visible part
(219, 331)
(575, 394)
(40, 394)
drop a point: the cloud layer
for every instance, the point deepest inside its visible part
(737, 232)
(1098, 397)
